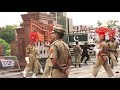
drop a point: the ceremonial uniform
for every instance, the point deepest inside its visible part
(32, 65)
(113, 54)
(102, 58)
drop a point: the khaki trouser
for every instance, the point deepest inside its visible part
(55, 73)
(46, 73)
(113, 61)
(39, 65)
(77, 59)
(32, 65)
(99, 63)
(48, 65)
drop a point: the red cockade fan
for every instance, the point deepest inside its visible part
(101, 31)
(111, 33)
(33, 36)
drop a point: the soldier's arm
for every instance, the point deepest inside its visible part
(28, 49)
(74, 49)
(36, 51)
(53, 57)
(117, 45)
(69, 62)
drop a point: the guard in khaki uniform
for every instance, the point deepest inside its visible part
(77, 54)
(48, 65)
(112, 45)
(32, 64)
(59, 55)
(102, 58)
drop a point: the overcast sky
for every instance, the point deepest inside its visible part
(84, 18)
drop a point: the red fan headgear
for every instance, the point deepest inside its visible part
(111, 33)
(33, 36)
(101, 31)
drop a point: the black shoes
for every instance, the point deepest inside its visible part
(117, 72)
(75, 65)
(79, 65)
(86, 63)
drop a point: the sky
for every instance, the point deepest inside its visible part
(79, 18)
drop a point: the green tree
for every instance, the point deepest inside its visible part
(99, 23)
(5, 44)
(112, 23)
(8, 33)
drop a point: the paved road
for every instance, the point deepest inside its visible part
(83, 72)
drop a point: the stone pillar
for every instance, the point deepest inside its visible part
(21, 46)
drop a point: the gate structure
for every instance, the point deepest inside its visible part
(43, 31)
(43, 24)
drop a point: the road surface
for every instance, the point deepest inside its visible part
(82, 72)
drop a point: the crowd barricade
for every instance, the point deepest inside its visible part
(9, 64)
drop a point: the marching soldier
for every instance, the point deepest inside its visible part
(77, 51)
(40, 70)
(59, 55)
(32, 63)
(48, 65)
(102, 58)
(112, 45)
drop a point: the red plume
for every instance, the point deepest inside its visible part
(33, 36)
(111, 33)
(101, 31)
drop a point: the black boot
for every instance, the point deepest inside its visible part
(79, 65)
(86, 63)
(75, 65)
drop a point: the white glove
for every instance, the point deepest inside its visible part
(97, 51)
(27, 60)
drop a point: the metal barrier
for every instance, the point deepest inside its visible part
(9, 64)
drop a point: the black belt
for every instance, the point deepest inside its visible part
(53, 68)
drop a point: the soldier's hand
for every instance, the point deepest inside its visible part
(65, 70)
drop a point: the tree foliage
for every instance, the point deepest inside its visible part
(5, 44)
(112, 23)
(8, 33)
(99, 23)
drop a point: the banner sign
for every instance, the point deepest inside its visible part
(78, 37)
(9, 63)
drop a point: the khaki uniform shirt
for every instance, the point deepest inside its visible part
(60, 51)
(77, 49)
(30, 49)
